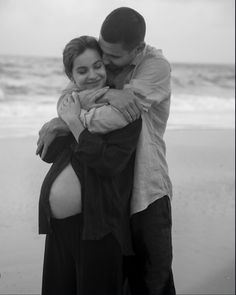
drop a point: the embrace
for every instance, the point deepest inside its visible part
(105, 203)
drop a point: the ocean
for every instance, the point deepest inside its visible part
(202, 95)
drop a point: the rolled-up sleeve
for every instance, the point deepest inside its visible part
(103, 119)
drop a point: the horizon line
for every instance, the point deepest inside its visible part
(171, 61)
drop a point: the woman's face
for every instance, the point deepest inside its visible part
(88, 70)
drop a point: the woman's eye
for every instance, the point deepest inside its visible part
(81, 72)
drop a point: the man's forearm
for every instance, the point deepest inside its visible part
(48, 133)
(60, 128)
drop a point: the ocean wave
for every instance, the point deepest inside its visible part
(26, 110)
(185, 76)
(40, 105)
(202, 95)
(2, 95)
(186, 113)
(193, 103)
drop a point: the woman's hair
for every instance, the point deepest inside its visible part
(124, 25)
(76, 47)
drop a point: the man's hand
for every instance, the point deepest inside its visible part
(126, 102)
(88, 98)
(49, 131)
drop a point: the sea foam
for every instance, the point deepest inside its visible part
(202, 95)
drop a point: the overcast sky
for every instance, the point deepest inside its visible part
(186, 30)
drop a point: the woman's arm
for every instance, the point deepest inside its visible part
(109, 154)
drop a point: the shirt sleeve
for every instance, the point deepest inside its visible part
(151, 81)
(103, 119)
(108, 154)
(56, 147)
(68, 90)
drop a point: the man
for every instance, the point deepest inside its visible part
(140, 75)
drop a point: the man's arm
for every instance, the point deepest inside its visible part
(88, 98)
(109, 154)
(54, 149)
(103, 119)
(150, 84)
(47, 135)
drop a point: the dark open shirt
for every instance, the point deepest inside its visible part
(104, 164)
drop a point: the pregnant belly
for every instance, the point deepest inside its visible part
(65, 194)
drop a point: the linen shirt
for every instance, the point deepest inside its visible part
(148, 75)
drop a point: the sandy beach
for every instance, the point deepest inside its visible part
(201, 164)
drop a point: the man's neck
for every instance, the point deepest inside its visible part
(117, 79)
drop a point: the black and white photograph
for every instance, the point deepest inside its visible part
(117, 147)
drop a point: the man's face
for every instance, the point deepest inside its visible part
(114, 56)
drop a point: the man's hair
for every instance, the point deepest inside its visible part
(76, 47)
(124, 25)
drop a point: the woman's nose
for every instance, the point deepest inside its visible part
(92, 74)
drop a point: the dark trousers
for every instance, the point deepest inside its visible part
(149, 271)
(73, 266)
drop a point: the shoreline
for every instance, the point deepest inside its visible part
(4, 135)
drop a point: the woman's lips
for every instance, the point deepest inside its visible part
(94, 84)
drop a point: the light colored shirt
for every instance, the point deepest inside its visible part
(149, 76)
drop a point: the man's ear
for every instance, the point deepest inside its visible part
(140, 47)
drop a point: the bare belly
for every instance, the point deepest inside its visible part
(65, 194)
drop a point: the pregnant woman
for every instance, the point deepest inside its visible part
(84, 199)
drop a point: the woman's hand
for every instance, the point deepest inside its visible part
(69, 108)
